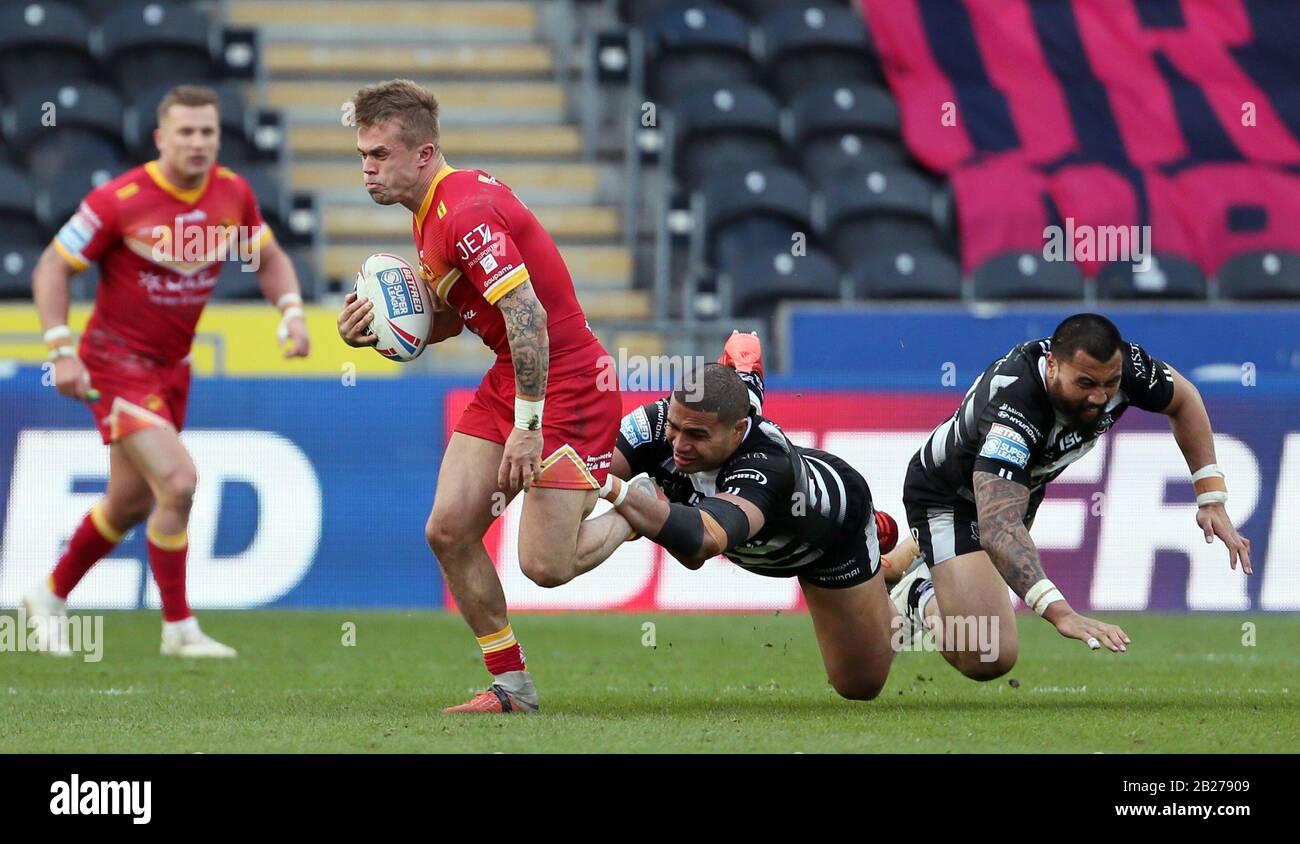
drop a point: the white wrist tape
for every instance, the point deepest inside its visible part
(1207, 471)
(614, 490)
(528, 414)
(1213, 492)
(57, 333)
(1042, 595)
(288, 299)
(282, 331)
(64, 351)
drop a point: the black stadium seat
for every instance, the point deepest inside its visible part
(1025, 275)
(839, 127)
(270, 197)
(18, 223)
(759, 281)
(725, 126)
(1169, 277)
(699, 44)
(146, 43)
(878, 211)
(100, 9)
(69, 188)
(42, 42)
(86, 130)
(806, 43)
(903, 274)
(236, 142)
(756, 9)
(1265, 274)
(755, 210)
(16, 262)
(641, 12)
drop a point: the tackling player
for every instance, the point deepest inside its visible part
(494, 269)
(972, 490)
(132, 365)
(735, 485)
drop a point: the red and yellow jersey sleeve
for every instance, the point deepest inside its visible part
(94, 228)
(479, 242)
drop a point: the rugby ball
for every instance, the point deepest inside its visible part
(403, 308)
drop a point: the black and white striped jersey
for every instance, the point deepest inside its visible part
(1008, 426)
(811, 500)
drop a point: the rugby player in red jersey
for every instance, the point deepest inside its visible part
(494, 269)
(159, 233)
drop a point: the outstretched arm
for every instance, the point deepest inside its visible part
(1002, 505)
(1190, 423)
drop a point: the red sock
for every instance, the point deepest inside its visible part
(90, 542)
(501, 652)
(886, 531)
(167, 560)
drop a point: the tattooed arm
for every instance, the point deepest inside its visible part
(1001, 505)
(530, 349)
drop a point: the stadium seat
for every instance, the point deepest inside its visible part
(1169, 277)
(42, 42)
(758, 282)
(880, 211)
(18, 222)
(16, 262)
(902, 274)
(69, 188)
(699, 44)
(270, 196)
(838, 127)
(1025, 275)
(641, 12)
(755, 210)
(99, 9)
(87, 129)
(725, 126)
(145, 43)
(237, 144)
(756, 9)
(806, 43)
(1265, 274)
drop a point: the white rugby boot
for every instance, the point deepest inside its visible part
(910, 595)
(185, 639)
(47, 614)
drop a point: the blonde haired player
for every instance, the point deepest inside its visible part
(132, 366)
(540, 420)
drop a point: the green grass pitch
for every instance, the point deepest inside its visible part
(740, 683)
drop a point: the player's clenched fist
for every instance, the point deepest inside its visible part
(354, 321)
(71, 378)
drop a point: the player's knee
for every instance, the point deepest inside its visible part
(546, 570)
(176, 489)
(446, 535)
(984, 667)
(857, 688)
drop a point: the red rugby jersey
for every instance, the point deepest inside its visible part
(477, 241)
(159, 250)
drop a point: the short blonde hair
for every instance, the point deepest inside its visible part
(188, 95)
(414, 108)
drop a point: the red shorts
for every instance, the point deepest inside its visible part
(579, 425)
(135, 393)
